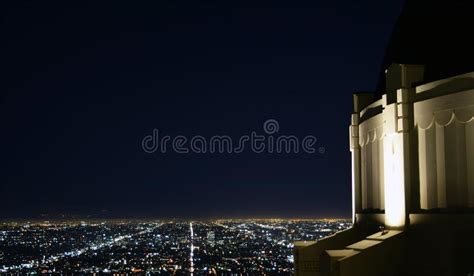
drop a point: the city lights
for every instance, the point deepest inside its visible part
(158, 247)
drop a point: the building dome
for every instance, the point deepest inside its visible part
(412, 155)
(436, 34)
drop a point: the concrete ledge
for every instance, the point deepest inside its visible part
(378, 254)
(308, 253)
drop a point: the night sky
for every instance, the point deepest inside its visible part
(84, 82)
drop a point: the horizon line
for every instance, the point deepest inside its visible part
(25, 220)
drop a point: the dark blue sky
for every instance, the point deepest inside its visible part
(84, 82)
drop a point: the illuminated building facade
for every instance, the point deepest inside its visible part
(412, 152)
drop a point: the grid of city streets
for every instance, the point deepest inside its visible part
(158, 247)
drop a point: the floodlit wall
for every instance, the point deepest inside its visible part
(445, 127)
(372, 163)
(413, 149)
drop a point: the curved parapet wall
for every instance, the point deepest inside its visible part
(413, 150)
(372, 134)
(445, 127)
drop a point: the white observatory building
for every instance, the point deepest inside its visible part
(412, 152)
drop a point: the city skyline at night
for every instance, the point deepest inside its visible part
(317, 138)
(157, 247)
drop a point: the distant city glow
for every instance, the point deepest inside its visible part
(158, 247)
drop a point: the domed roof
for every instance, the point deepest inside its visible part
(437, 34)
